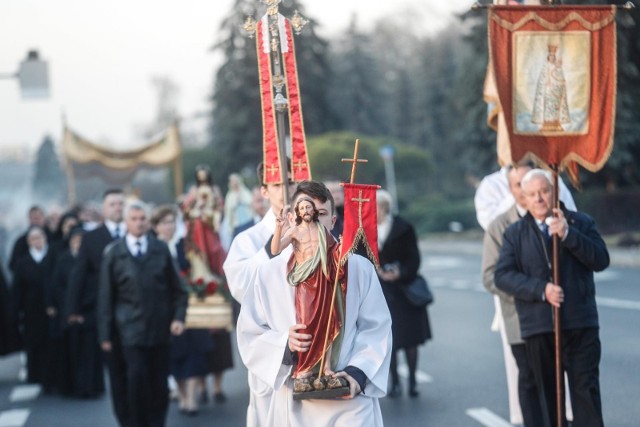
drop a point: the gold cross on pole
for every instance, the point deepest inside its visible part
(360, 201)
(354, 161)
(272, 169)
(300, 165)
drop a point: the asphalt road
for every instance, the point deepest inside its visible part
(461, 379)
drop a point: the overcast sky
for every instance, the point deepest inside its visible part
(103, 54)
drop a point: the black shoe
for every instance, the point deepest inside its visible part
(220, 397)
(395, 391)
(413, 392)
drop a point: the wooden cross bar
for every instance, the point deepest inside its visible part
(354, 161)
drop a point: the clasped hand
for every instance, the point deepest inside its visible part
(554, 294)
(298, 341)
(557, 223)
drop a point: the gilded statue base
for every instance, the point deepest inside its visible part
(211, 312)
(320, 388)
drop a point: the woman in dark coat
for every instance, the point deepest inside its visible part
(399, 264)
(69, 354)
(32, 274)
(188, 358)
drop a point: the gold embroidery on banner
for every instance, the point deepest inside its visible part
(573, 16)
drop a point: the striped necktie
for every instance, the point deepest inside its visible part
(545, 230)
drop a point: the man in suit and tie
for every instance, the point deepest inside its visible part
(83, 292)
(141, 302)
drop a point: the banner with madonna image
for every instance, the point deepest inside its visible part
(555, 71)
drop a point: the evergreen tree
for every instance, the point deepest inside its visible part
(444, 120)
(394, 46)
(358, 93)
(476, 142)
(236, 130)
(49, 184)
(621, 169)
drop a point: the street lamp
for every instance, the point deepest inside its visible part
(387, 152)
(33, 77)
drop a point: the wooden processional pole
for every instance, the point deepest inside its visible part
(280, 102)
(354, 161)
(556, 310)
(277, 78)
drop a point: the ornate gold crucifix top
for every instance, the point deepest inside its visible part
(272, 6)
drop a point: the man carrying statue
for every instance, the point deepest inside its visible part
(276, 347)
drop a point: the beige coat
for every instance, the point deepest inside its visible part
(490, 254)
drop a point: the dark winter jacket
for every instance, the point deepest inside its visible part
(139, 297)
(525, 268)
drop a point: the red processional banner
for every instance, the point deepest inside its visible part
(495, 116)
(300, 169)
(360, 220)
(555, 72)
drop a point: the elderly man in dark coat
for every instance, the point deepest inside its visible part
(141, 302)
(524, 271)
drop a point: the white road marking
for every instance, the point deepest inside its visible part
(25, 392)
(467, 285)
(487, 418)
(14, 417)
(618, 303)
(421, 377)
(442, 262)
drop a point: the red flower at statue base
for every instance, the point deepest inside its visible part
(203, 289)
(211, 288)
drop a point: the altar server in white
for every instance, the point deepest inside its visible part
(248, 251)
(268, 341)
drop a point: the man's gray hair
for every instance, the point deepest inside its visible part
(136, 205)
(383, 198)
(536, 173)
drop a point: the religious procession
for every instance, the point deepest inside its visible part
(405, 216)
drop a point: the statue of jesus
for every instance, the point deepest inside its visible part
(312, 269)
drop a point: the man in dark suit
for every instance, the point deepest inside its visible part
(141, 302)
(524, 271)
(83, 293)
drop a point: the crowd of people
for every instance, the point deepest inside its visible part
(111, 292)
(67, 303)
(83, 295)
